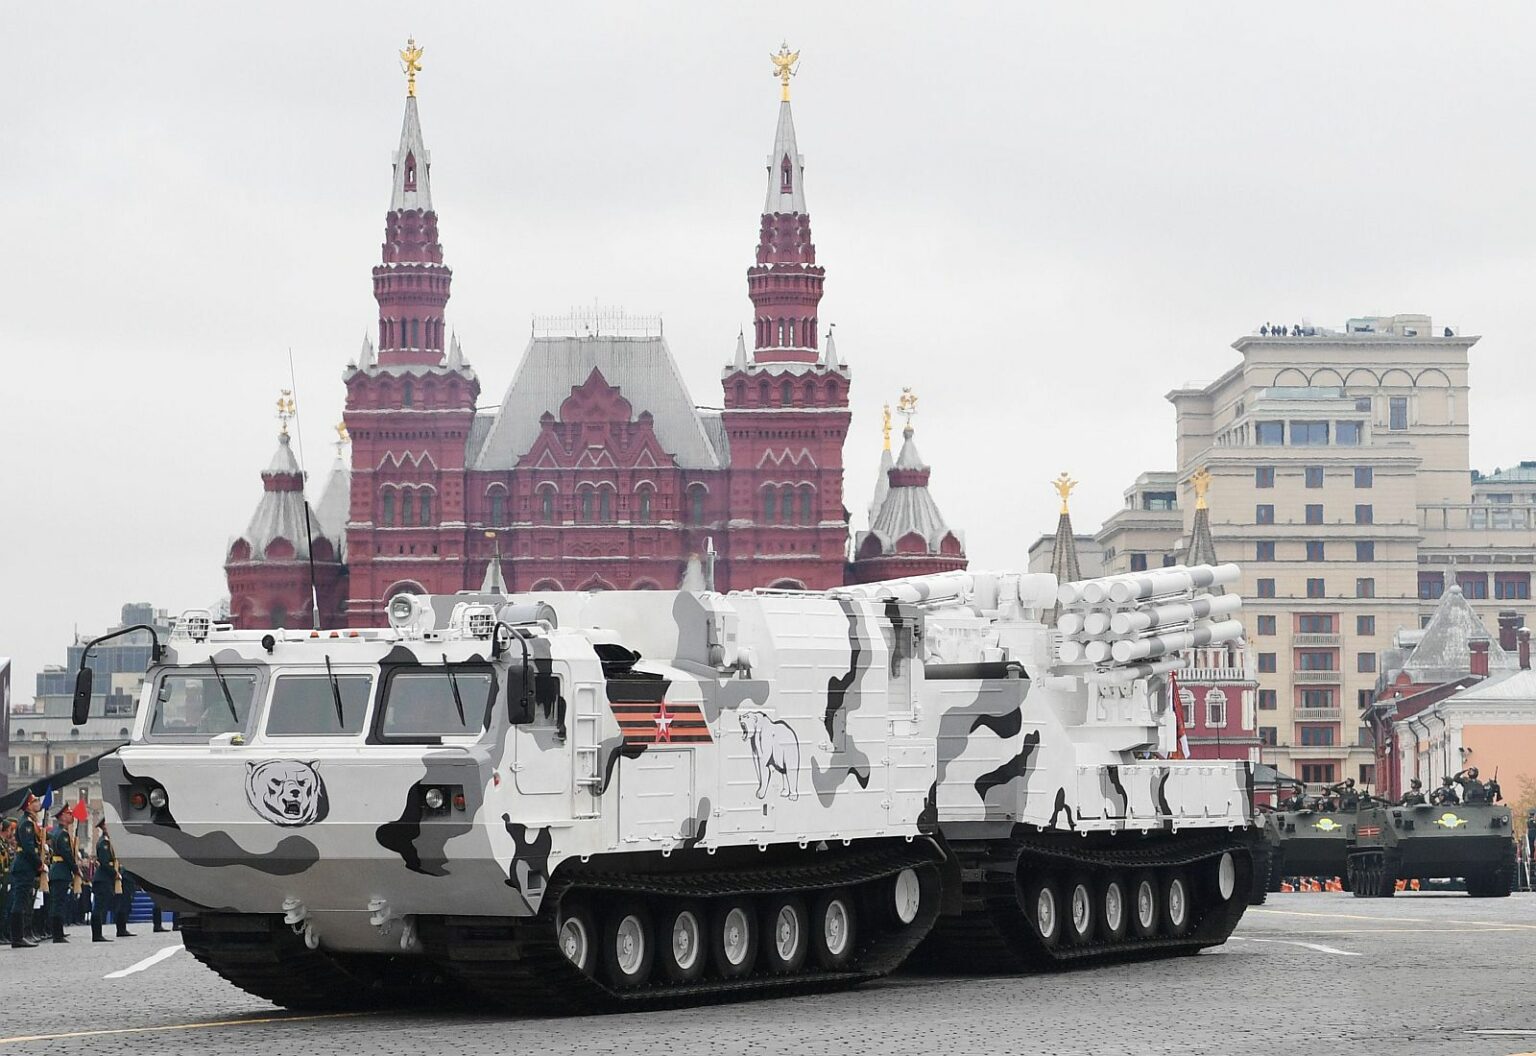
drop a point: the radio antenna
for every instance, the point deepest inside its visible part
(309, 535)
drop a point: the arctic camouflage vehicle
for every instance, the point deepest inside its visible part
(632, 799)
(1472, 841)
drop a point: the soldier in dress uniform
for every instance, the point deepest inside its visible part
(27, 871)
(106, 885)
(1415, 795)
(7, 855)
(62, 869)
(122, 905)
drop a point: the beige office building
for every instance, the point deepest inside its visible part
(1341, 484)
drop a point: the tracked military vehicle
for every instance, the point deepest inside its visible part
(625, 799)
(1472, 841)
(1308, 842)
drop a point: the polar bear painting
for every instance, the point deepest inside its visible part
(774, 747)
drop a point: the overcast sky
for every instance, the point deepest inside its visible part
(1042, 218)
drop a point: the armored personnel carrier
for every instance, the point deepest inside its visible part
(1308, 842)
(630, 799)
(1472, 841)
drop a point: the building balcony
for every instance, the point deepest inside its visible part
(1221, 675)
(1302, 640)
(1319, 714)
(1331, 678)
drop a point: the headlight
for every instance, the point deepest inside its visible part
(434, 798)
(157, 798)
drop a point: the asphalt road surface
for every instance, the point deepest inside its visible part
(1307, 973)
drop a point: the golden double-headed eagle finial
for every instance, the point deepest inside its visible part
(343, 438)
(885, 426)
(286, 408)
(784, 66)
(1064, 485)
(906, 406)
(410, 62)
(1200, 480)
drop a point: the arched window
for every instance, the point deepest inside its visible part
(643, 506)
(1187, 705)
(604, 505)
(807, 502)
(786, 177)
(426, 508)
(786, 394)
(410, 171)
(762, 392)
(741, 393)
(547, 504)
(787, 505)
(279, 616)
(770, 504)
(498, 508)
(415, 333)
(407, 509)
(387, 507)
(1215, 707)
(696, 505)
(780, 341)
(586, 506)
(791, 331)
(407, 393)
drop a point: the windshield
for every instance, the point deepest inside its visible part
(421, 703)
(193, 705)
(304, 705)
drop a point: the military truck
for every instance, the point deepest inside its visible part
(630, 799)
(1473, 841)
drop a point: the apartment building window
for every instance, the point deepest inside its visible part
(1474, 585)
(1349, 434)
(1266, 588)
(1215, 707)
(1365, 625)
(1364, 514)
(1365, 550)
(1266, 625)
(1269, 700)
(1316, 735)
(1169, 560)
(1267, 663)
(1431, 585)
(1269, 434)
(1314, 476)
(1365, 587)
(1263, 476)
(1317, 773)
(1314, 513)
(1316, 588)
(1315, 551)
(1264, 513)
(1364, 476)
(1138, 562)
(1365, 663)
(1315, 660)
(1314, 623)
(1397, 413)
(1367, 773)
(1267, 736)
(1364, 698)
(1309, 434)
(1160, 500)
(1264, 550)
(1317, 698)
(1512, 586)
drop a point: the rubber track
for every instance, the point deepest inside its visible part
(517, 965)
(993, 934)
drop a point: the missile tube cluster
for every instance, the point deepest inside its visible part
(1136, 625)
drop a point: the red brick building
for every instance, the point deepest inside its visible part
(597, 471)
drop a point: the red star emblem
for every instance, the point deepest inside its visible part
(663, 724)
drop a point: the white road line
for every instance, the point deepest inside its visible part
(1319, 947)
(148, 962)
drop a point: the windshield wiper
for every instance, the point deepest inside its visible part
(341, 723)
(458, 701)
(225, 687)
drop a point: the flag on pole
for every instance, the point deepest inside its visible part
(47, 798)
(1180, 735)
(81, 812)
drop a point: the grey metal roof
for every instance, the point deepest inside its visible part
(280, 513)
(882, 485)
(908, 508)
(336, 505)
(1516, 685)
(1443, 654)
(784, 146)
(714, 427)
(479, 428)
(411, 143)
(641, 367)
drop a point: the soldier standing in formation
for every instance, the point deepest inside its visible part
(1472, 790)
(62, 873)
(106, 885)
(7, 855)
(27, 871)
(1415, 795)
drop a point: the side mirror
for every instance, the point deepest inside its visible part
(82, 708)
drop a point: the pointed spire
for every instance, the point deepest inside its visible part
(1064, 564)
(455, 353)
(413, 165)
(365, 357)
(493, 583)
(883, 476)
(740, 362)
(832, 362)
(1202, 547)
(786, 168)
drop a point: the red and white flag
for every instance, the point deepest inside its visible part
(1180, 736)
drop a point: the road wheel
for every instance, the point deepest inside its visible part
(834, 927)
(577, 936)
(1042, 905)
(905, 897)
(785, 934)
(1080, 910)
(1178, 905)
(629, 947)
(1114, 908)
(733, 937)
(1144, 904)
(1359, 876)
(680, 942)
(1226, 876)
(1276, 878)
